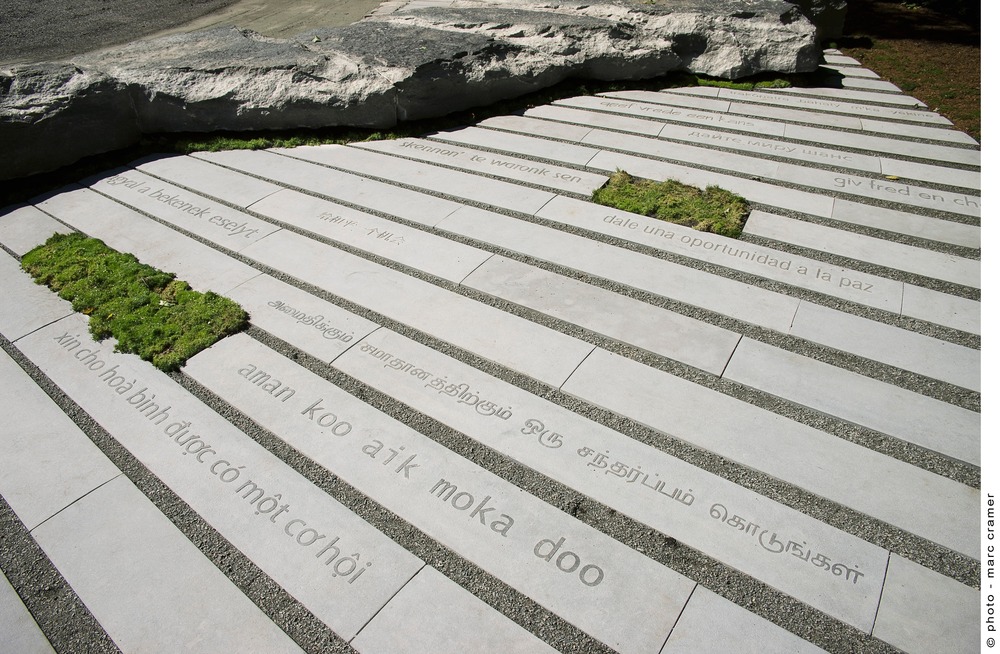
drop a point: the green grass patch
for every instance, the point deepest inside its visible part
(148, 311)
(750, 85)
(263, 141)
(712, 210)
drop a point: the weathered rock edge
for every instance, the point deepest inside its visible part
(380, 71)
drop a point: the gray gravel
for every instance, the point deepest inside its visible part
(51, 30)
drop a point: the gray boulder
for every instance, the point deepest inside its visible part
(231, 79)
(54, 114)
(380, 71)
(827, 15)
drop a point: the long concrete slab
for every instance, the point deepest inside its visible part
(49, 463)
(899, 256)
(21, 632)
(136, 572)
(819, 106)
(851, 94)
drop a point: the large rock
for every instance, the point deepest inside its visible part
(827, 15)
(375, 73)
(231, 79)
(55, 114)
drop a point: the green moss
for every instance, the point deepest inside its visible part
(263, 141)
(712, 210)
(750, 85)
(148, 311)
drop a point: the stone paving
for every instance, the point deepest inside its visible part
(477, 412)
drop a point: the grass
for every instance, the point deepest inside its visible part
(148, 311)
(712, 210)
(928, 48)
(775, 83)
(258, 141)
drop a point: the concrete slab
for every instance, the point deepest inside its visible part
(868, 84)
(193, 173)
(425, 176)
(666, 333)
(938, 174)
(711, 623)
(883, 487)
(877, 341)
(769, 263)
(21, 632)
(630, 105)
(664, 278)
(767, 194)
(24, 228)
(384, 238)
(881, 190)
(521, 123)
(197, 214)
(686, 154)
(722, 519)
(594, 112)
(48, 462)
(782, 113)
(773, 148)
(521, 144)
(918, 131)
(823, 105)
(393, 200)
(902, 222)
(714, 138)
(509, 340)
(246, 493)
(936, 152)
(699, 102)
(848, 71)
(930, 423)
(923, 612)
(851, 94)
(840, 60)
(468, 624)
(322, 329)
(942, 309)
(125, 230)
(558, 178)
(899, 256)
(643, 103)
(631, 601)
(136, 573)
(24, 305)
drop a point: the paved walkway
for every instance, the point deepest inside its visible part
(477, 412)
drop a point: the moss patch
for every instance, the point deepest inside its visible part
(148, 311)
(712, 210)
(775, 83)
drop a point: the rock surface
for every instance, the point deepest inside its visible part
(827, 15)
(404, 66)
